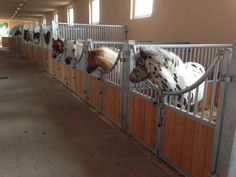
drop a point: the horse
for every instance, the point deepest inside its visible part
(57, 48)
(28, 35)
(73, 51)
(47, 37)
(36, 37)
(103, 57)
(17, 33)
(166, 70)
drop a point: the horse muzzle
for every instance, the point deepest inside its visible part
(55, 55)
(68, 60)
(89, 70)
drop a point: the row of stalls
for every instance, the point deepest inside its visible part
(187, 138)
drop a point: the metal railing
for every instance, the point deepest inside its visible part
(86, 31)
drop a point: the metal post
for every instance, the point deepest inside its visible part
(86, 76)
(160, 117)
(125, 59)
(101, 91)
(220, 117)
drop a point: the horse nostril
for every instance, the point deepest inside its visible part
(54, 55)
(73, 50)
(67, 61)
(88, 70)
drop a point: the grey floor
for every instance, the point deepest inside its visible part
(46, 132)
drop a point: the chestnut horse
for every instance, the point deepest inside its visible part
(103, 57)
(57, 48)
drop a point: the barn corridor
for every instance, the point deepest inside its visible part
(46, 132)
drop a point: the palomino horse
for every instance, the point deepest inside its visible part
(103, 57)
(166, 70)
(57, 48)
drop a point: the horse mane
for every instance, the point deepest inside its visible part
(163, 57)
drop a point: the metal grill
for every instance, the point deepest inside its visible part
(85, 31)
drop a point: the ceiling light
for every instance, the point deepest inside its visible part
(16, 12)
(18, 8)
(21, 4)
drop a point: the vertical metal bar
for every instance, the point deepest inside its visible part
(204, 98)
(220, 113)
(125, 84)
(196, 101)
(214, 90)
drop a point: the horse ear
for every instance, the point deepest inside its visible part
(143, 53)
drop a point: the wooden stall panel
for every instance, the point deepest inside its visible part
(5, 41)
(93, 93)
(13, 43)
(59, 71)
(70, 77)
(35, 54)
(26, 51)
(79, 83)
(187, 143)
(112, 102)
(44, 59)
(31, 52)
(41, 58)
(142, 119)
(49, 62)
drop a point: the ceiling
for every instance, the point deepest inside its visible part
(30, 8)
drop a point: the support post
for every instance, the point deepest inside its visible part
(226, 161)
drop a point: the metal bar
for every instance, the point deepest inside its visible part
(220, 114)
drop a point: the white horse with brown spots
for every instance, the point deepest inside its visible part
(166, 70)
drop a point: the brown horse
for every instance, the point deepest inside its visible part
(103, 57)
(57, 48)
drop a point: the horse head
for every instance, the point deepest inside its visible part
(47, 37)
(17, 33)
(140, 72)
(36, 37)
(26, 35)
(102, 57)
(73, 51)
(57, 48)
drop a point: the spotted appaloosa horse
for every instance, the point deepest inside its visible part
(102, 57)
(57, 48)
(73, 51)
(168, 72)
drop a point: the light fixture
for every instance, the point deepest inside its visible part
(18, 8)
(16, 12)
(21, 4)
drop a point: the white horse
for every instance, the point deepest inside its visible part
(73, 51)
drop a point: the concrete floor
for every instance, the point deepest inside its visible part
(46, 132)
